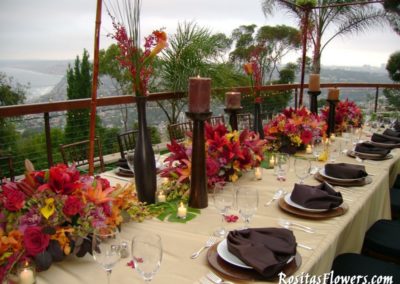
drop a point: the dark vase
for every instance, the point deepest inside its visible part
(257, 124)
(143, 160)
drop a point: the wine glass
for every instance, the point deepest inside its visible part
(223, 196)
(317, 148)
(247, 202)
(106, 248)
(147, 254)
(129, 160)
(302, 168)
(282, 165)
(157, 155)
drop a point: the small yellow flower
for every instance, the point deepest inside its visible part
(49, 208)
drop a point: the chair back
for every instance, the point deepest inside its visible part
(214, 120)
(78, 152)
(244, 121)
(6, 168)
(177, 131)
(127, 142)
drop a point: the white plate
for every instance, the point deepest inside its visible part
(224, 253)
(289, 201)
(322, 173)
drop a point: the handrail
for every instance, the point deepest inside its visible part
(26, 109)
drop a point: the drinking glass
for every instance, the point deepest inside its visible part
(334, 152)
(106, 248)
(157, 155)
(302, 168)
(282, 166)
(129, 160)
(247, 202)
(223, 196)
(318, 148)
(147, 255)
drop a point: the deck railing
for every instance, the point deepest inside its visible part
(51, 107)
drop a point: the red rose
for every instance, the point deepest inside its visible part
(35, 241)
(73, 205)
(13, 199)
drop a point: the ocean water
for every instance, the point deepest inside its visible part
(40, 83)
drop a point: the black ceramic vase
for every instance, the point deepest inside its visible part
(143, 160)
(257, 123)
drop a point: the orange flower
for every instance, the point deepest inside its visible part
(97, 195)
(161, 43)
(248, 68)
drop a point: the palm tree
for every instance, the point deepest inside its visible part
(339, 20)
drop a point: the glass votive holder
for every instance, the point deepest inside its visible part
(26, 273)
(257, 173)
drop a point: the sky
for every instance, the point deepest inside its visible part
(61, 29)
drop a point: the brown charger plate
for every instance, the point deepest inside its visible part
(341, 210)
(354, 154)
(124, 173)
(237, 273)
(362, 182)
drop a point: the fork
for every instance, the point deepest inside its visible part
(209, 243)
(278, 194)
(216, 279)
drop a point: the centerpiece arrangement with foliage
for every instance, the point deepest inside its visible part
(228, 155)
(347, 113)
(292, 129)
(51, 214)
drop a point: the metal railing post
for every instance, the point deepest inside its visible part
(376, 99)
(48, 138)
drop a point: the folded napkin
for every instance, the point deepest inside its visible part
(321, 196)
(267, 250)
(381, 138)
(345, 171)
(367, 148)
(391, 133)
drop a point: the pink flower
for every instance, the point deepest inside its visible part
(13, 199)
(72, 206)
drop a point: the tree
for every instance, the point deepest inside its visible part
(342, 20)
(393, 68)
(393, 14)
(10, 94)
(79, 82)
(192, 51)
(270, 43)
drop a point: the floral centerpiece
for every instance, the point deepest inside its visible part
(293, 129)
(138, 62)
(51, 214)
(228, 155)
(346, 113)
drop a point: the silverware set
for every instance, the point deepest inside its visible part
(211, 241)
(212, 278)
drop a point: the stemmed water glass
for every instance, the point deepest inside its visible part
(129, 160)
(247, 202)
(147, 255)
(302, 168)
(282, 165)
(106, 248)
(223, 196)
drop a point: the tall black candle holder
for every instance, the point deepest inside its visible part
(331, 117)
(198, 197)
(257, 122)
(232, 112)
(313, 101)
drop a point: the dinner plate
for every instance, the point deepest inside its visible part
(290, 202)
(224, 253)
(323, 174)
(369, 155)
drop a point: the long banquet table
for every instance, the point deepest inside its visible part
(332, 236)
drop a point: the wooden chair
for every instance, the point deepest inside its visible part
(78, 152)
(214, 120)
(6, 164)
(178, 131)
(126, 142)
(244, 121)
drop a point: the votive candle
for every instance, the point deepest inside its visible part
(26, 276)
(161, 197)
(308, 149)
(332, 137)
(272, 162)
(199, 94)
(313, 83)
(257, 173)
(182, 211)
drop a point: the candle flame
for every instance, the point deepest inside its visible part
(181, 205)
(198, 75)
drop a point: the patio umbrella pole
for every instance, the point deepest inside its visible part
(94, 87)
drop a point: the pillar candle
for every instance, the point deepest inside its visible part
(182, 211)
(161, 197)
(313, 83)
(333, 94)
(199, 94)
(232, 100)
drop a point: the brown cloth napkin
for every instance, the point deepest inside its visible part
(381, 138)
(321, 196)
(367, 148)
(391, 133)
(267, 250)
(345, 171)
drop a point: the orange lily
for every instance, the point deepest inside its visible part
(97, 195)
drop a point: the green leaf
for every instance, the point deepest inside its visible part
(169, 211)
